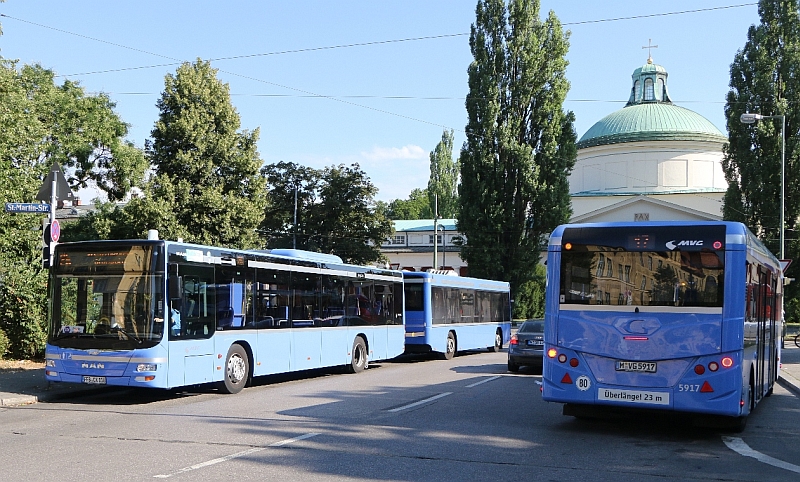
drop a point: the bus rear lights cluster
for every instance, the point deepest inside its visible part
(573, 362)
(713, 366)
(699, 369)
(551, 353)
(562, 358)
(727, 361)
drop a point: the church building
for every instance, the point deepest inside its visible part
(649, 161)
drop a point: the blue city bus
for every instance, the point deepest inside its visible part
(446, 313)
(677, 316)
(155, 313)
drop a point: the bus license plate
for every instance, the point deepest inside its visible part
(636, 366)
(94, 380)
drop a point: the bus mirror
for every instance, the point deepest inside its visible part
(175, 287)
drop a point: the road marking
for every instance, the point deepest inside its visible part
(416, 404)
(738, 445)
(483, 381)
(234, 456)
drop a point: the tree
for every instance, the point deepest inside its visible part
(336, 213)
(765, 79)
(520, 143)
(206, 186)
(443, 182)
(42, 123)
(417, 206)
(278, 227)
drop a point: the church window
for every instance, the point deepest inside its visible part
(660, 90)
(637, 91)
(649, 94)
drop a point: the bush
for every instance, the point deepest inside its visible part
(4, 344)
(23, 310)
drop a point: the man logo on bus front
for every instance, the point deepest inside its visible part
(686, 242)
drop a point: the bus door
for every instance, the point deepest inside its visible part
(273, 322)
(191, 326)
(764, 317)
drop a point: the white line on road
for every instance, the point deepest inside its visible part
(416, 404)
(738, 445)
(234, 456)
(483, 381)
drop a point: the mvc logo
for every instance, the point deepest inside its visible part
(686, 242)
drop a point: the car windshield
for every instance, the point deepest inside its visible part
(532, 327)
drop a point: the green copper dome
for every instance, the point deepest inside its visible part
(651, 122)
(650, 115)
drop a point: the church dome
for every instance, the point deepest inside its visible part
(651, 122)
(650, 115)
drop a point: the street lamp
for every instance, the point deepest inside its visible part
(748, 118)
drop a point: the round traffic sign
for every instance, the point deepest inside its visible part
(55, 230)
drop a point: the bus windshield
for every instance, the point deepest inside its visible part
(106, 299)
(652, 266)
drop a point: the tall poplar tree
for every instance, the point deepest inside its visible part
(207, 187)
(443, 182)
(765, 79)
(520, 143)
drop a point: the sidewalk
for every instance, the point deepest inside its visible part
(20, 387)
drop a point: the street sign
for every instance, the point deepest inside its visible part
(62, 187)
(55, 231)
(51, 232)
(36, 208)
(785, 264)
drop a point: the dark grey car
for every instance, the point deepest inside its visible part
(527, 346)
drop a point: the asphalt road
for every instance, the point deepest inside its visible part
(411, 420)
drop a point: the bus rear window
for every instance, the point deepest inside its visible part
(414, 301)
(648, 268)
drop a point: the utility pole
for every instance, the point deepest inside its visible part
(435, 231)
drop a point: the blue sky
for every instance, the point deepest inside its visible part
(386, 104)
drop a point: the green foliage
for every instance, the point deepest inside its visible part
(206, 186)
(417, 206)
(765, 79)
(336, 212)
(443, 182)
(42, 123)
(529, 300)
(520, 143)
(5, 343)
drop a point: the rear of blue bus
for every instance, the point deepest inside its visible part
(635, 318)
(107, 312)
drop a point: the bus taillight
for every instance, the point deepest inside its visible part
(727, 361)
(699, 369)
(713, 366)
(573, 362)
(562, 358)
(551, 353)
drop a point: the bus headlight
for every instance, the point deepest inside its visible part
(146, 367)
(50, 363)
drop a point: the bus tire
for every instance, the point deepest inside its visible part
(237, 370)
(498, 341)
(450, 349)
(358, 361)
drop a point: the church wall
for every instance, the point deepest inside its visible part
(641, 167)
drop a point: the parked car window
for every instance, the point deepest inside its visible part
(532, 327)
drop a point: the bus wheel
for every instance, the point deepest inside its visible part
(450, 351)
(498, 341)
(237, 369)
(359, 360)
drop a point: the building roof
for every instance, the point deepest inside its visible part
(651, 122)
(650, 115)
(424, 225)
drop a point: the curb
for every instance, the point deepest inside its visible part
(790, 383)
(18, 400)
